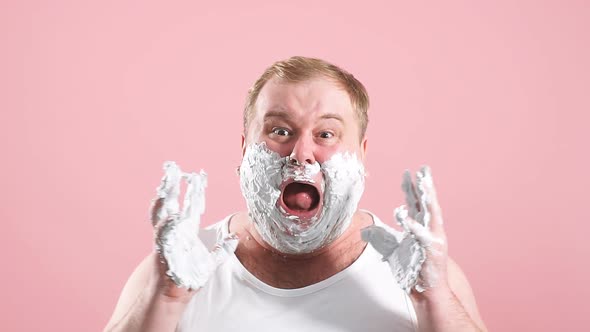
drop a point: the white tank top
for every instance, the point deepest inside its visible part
(362, 297)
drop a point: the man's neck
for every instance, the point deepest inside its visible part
(296, 271)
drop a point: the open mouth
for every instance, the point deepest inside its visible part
(300, 199)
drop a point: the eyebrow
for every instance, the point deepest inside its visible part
(287, 116)
(335, 116)
(277, 114)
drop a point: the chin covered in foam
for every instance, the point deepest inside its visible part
(298, 209)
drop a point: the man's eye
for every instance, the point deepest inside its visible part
(281, 132)
(326, 134)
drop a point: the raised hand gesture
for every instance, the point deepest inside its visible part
(417, 256)
(186, 262)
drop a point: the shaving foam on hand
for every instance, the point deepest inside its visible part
(408, 252)
(189, 262)
(401, 250)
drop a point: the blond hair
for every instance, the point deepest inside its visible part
(300, 69)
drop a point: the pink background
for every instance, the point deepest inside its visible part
(96, 95)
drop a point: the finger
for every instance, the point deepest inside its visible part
(194, 198)
(382, 240)
(424, 236)
(432, 204)
(410, 192)
(436, 224)
(166, 202)
(156, 213)
(423, 184)
(401, 214)
(224, 249)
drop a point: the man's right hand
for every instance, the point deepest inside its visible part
(186, 264)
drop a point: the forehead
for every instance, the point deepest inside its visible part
(312, 97)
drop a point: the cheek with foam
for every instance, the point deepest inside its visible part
(344, 187)
(261, 175)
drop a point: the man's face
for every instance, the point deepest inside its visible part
(309, 121)
(303, 185)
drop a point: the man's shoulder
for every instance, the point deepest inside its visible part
(215, 232)
(378, 222)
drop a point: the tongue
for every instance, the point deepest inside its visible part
(299, 201)
(299, 196)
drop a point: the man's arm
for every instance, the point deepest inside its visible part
(444, 301)
(451, 308)
(141, 307)
(160, 288)
(439, 290)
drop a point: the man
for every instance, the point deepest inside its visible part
(301, 259)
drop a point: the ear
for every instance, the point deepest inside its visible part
(243, 145)
(364, 149)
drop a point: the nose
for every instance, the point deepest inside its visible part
(303, 151)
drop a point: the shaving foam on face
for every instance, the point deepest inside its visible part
(305, 173)
(189, 262)
(261, 174)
